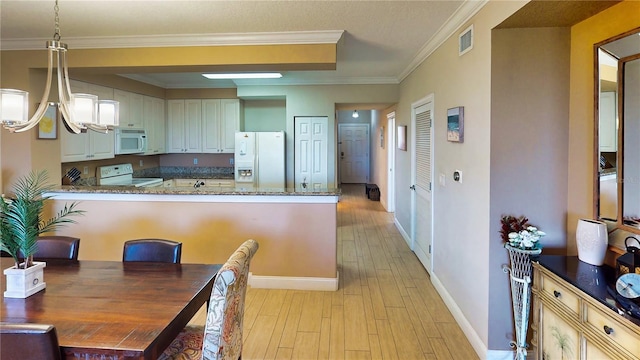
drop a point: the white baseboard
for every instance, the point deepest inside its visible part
(294, 283)
(467, 329)
(404, 234)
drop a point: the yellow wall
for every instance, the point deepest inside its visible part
(296, 240)
(611, 22)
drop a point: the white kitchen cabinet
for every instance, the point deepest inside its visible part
(202, 126)
(608, 128)
(184, 124)
(131, 109)
(155, 125)
(90, 145)
(220, 121)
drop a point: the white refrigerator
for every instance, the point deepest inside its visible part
(259, 160)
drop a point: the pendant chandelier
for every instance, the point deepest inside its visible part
(79, 111)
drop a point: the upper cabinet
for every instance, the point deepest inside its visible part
(155, 125)
(608, 122)
(90, 145)
(131, 109)
(220, 121)
(202, 126)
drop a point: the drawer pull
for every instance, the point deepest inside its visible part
(556, 293)
(608, 330)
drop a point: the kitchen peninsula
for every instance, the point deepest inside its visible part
(296, 229)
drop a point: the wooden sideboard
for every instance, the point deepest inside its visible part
(575, 317)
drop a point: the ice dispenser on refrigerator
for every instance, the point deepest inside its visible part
(260, 159)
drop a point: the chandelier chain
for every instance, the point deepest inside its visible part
(56, 35)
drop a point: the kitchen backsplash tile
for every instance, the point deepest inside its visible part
(186, 172)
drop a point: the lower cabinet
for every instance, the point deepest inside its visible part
(568, 323)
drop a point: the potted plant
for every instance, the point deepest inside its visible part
(20, 225)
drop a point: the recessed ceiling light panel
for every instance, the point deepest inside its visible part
(244, 76)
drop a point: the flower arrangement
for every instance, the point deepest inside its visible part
(518, 233)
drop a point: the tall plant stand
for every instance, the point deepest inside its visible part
(520, 276)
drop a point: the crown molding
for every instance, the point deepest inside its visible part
(450, 27)
(107, 42)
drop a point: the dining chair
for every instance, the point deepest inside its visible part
(57, 248)
(28, 341)
(152, 250)
(221, 337)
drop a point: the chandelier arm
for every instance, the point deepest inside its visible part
(44, 102)
(98, 128)
(66, 114)
(64, 94)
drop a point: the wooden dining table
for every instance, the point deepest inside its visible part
(111, 309)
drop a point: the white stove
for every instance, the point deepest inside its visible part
(122, 175)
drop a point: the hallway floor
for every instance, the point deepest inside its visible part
(385, 307)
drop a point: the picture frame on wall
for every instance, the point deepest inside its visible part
(402, 137)
(382, 137)
(48, 125)
(455, 124)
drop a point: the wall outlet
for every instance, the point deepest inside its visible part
(195, 161)
(85, 170)
(141, 163)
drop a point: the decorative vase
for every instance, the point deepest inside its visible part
(22, 283)
(592, 240)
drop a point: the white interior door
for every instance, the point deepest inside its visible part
(354, 153)
(310, 153)
(421, 169)
(391, 162)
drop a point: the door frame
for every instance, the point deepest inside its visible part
(391, 161)
(425, 100)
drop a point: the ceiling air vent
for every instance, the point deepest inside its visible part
(465, 41)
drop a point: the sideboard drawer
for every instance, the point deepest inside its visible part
(562, 294)
(610, 328)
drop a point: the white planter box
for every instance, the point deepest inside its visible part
(22, 283)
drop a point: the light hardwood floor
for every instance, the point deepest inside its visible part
(385, 307)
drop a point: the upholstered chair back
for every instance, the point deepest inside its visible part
(152, 250)
(223, 329)
(28, 341)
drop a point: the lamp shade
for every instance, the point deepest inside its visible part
(108, 113)
(592, 240)
(14, 106)
(85, 108)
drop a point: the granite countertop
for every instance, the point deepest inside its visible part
(593, 280)
(190, 190)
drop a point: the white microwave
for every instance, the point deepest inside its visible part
(130, 141)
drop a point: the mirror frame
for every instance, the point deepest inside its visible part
(620, 134)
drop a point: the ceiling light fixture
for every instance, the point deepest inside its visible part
(243, 76)
(79, 111)
(355, 114)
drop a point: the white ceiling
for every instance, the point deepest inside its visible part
(380, 42)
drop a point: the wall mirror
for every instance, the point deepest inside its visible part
(618, 130)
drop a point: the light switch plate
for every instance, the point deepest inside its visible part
(443, 179)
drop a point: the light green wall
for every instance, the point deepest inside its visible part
(265, 115)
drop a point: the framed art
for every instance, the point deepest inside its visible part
(382, 137)
(402, 137)
(455, 124)
(48, 125)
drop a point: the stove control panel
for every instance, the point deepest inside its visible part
(114, 170)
